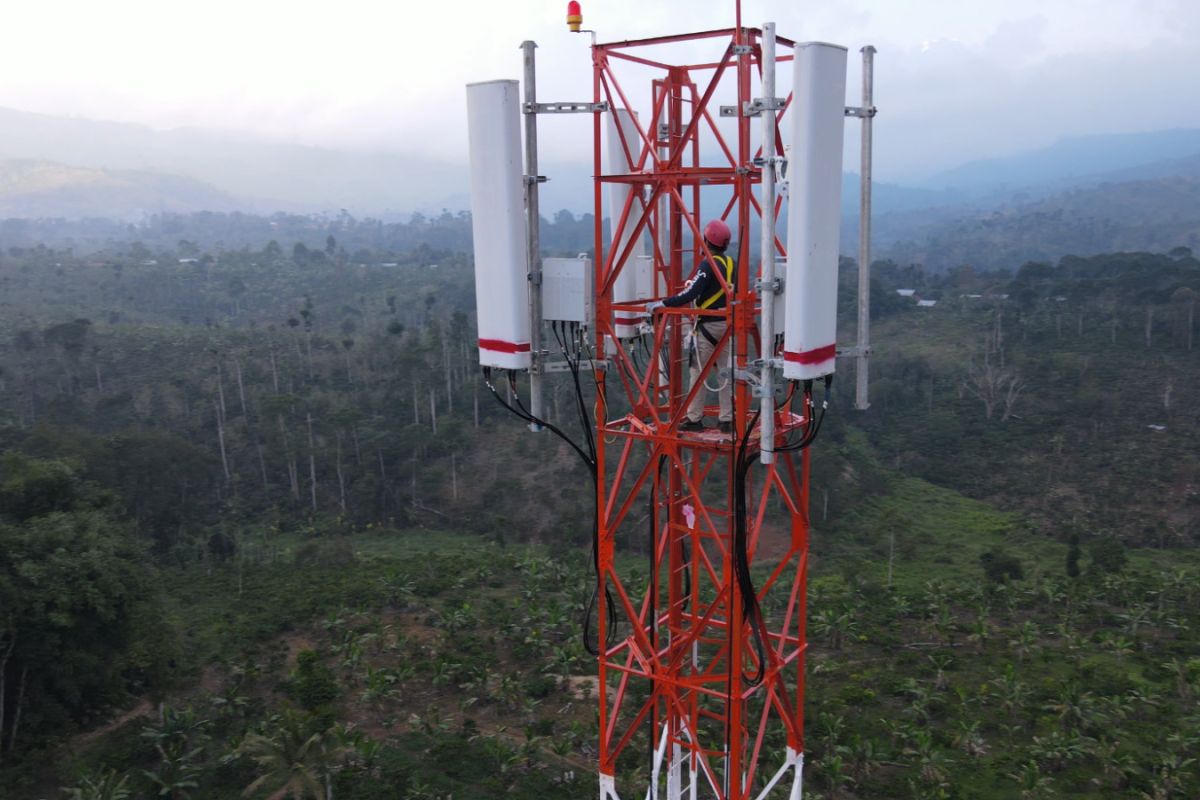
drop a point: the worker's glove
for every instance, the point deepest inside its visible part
(652, 307)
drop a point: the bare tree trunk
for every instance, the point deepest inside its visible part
(357, 450)
(7, 654)
(1016, 384)
(416, 406)
(891, 553)
(221, 440)
(1191, 320)
(274, 369)
(312, 462)
(262, 464)
(449, 376)
(293, 476)
(433, 409)
(1149, 325)
(341, 476)
(237, 366)
(454, 477)
(12, 732)
(221, 390)
(1167, 394)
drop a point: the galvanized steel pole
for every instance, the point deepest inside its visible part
(766, 291)
(864, 233)
(532, 222)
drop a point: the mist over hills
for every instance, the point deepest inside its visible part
(263, 176)
(1155, 207)
(1083, 195)
(48, 189)
(1069, 159)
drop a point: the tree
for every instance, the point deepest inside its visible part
(1108, 554)
(105, 786)
(293, 760)
(999, 566)
(79, 620)
(893, 522)
(997, 387)
(1073, 556)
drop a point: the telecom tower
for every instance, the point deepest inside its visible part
(706, 655)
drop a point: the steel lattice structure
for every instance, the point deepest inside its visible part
(683, 654)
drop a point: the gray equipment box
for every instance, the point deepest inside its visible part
(567, 290)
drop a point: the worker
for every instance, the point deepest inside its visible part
(707, 292)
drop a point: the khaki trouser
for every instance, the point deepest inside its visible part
(704, 351)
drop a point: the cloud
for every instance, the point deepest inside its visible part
(955, 80)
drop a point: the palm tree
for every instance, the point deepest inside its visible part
(1032, 783)
(1181, 671)
(107, 786)
(1013, 693)
(292, 761)
(1026, 641)
(980, 631)
(969, 740)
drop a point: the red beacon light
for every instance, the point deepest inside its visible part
(574, 16)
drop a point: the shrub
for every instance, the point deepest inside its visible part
(1000, 566)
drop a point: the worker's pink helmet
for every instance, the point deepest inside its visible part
(717, 234)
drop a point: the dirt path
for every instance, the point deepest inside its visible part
(142, 709)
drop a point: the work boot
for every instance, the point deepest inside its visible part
(691, 425)
(725, 427)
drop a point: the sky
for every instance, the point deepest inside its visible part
(956, 80)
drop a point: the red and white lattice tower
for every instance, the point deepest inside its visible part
(719, 690)
(701, 648)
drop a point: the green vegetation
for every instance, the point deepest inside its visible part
(260, 530)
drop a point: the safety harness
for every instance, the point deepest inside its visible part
(726, 262)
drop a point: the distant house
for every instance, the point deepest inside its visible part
(150, 262)
(1157, 428)
(926, 303)
(906, 292)
(389, 264)
(189, 261)
(973, 296)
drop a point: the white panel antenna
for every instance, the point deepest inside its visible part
(498, 224)
(814, 210)
(622, 151)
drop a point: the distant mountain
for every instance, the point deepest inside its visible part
(1155, 214)
(33, 189)
(1069, 159)
(266, 176)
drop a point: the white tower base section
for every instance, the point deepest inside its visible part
(498, 224)
(814, 210)
(623, 150)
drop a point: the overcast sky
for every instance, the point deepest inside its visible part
(956, 79)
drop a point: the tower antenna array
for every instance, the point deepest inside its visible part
(705, 655)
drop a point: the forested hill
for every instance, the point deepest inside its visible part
(254, 495)
(342, 375)
(1151, 214)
